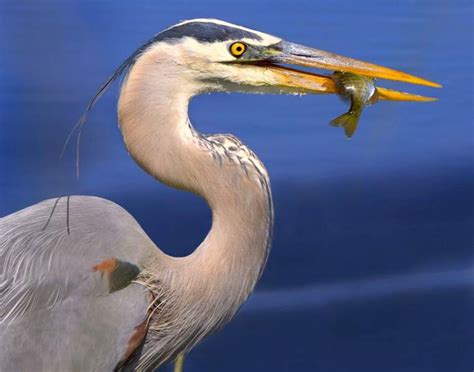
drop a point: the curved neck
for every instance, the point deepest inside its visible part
(153, 117)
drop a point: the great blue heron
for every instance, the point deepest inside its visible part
(82, 286)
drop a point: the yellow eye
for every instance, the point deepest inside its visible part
(237, 49)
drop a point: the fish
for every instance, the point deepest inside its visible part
(361, 91)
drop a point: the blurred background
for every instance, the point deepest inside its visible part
(372, 260)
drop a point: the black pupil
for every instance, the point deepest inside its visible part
(239, 49)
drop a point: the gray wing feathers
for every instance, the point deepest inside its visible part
(85, 335)
(55, 313)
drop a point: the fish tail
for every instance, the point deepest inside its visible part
(348, 121)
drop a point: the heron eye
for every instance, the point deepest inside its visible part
(237, 49)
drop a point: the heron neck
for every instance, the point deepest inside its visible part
(153, 117)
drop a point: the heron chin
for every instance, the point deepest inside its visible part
(82, 286)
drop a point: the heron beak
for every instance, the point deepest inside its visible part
(306, 82)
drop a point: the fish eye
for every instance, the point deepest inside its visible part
(237, 49)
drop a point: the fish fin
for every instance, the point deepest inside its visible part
(348, 121)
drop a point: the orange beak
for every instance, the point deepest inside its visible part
(307, 82)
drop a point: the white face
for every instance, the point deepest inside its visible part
(209, 65)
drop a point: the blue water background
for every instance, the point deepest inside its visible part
(371, 267)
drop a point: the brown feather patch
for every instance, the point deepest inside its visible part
(135, 341)
(107, 266)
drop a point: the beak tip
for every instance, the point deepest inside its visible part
(433, 84)
(416, 80)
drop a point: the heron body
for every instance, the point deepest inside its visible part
(82, 286)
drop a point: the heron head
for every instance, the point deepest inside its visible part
(213, 55)
(208, 55)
